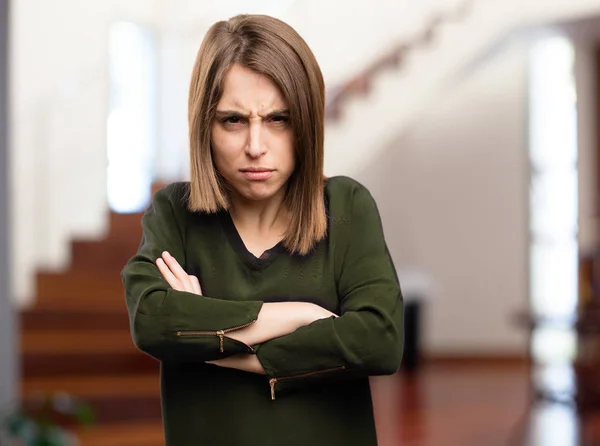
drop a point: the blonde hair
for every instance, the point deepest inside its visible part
(272, 48)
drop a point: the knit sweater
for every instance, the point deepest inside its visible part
(316, 389)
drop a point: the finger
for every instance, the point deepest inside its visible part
(167, 274)
(178, 271)
(196, 285)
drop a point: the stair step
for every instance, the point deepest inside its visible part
(77, 283)
(105, 255)
(86, 387)
(126, 227)
(81, 288)
(75, 319)
(77, 342)
(89, 364)
(58, 303)
(76, 339)
(112, 398)
(122, 434)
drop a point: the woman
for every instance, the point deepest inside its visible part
(266, 291)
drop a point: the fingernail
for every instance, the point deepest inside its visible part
(166, 253)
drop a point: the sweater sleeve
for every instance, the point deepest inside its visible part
(176, 325)
(367, 338)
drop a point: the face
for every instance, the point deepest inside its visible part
(252, 140)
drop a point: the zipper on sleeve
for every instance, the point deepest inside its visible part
(221, 335)
(274, 381)
(218, 333)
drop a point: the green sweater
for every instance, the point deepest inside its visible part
(316, 391)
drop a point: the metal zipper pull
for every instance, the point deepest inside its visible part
(272, 382)
(221, 335)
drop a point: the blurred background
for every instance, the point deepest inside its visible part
(473, 123)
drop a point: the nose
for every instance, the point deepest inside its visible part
(255, 146)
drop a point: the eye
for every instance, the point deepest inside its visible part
(231, 120)
(280, 119)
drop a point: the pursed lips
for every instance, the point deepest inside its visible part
(257, 173)
(256, 169)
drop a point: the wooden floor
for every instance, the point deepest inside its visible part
(441, 405)
(473, 406)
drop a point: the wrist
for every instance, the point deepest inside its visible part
(309, 313)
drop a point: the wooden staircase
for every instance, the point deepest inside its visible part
(76, 339)
(361, 83)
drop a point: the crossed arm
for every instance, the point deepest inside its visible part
(274, 319)
(296, 343)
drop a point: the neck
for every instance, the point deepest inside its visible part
(259, 217)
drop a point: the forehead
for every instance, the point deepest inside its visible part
(248, 90)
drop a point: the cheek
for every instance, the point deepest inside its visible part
(281, 145)
(224, 146)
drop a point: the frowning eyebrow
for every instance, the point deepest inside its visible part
(226, 113)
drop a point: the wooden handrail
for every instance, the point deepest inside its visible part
(360, 84)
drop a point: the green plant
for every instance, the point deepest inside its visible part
(45, 420)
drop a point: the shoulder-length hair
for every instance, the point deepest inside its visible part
(272, 48)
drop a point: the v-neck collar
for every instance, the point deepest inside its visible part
(238, 245)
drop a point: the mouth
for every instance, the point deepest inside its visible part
(257, 173)
(256, 169)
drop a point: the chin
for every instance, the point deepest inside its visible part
(258, 196)
(259, 192)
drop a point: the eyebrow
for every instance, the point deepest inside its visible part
(223, 113)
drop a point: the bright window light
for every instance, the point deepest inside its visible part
(553, 193)
(131, 123)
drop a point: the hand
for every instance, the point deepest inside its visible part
(244, 362)
(316, 312)
(176, 276)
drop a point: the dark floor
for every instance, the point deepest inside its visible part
(475, 405)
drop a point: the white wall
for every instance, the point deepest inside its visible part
(59, 97)
(342, 36)
(453, 190)
(424, 75)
